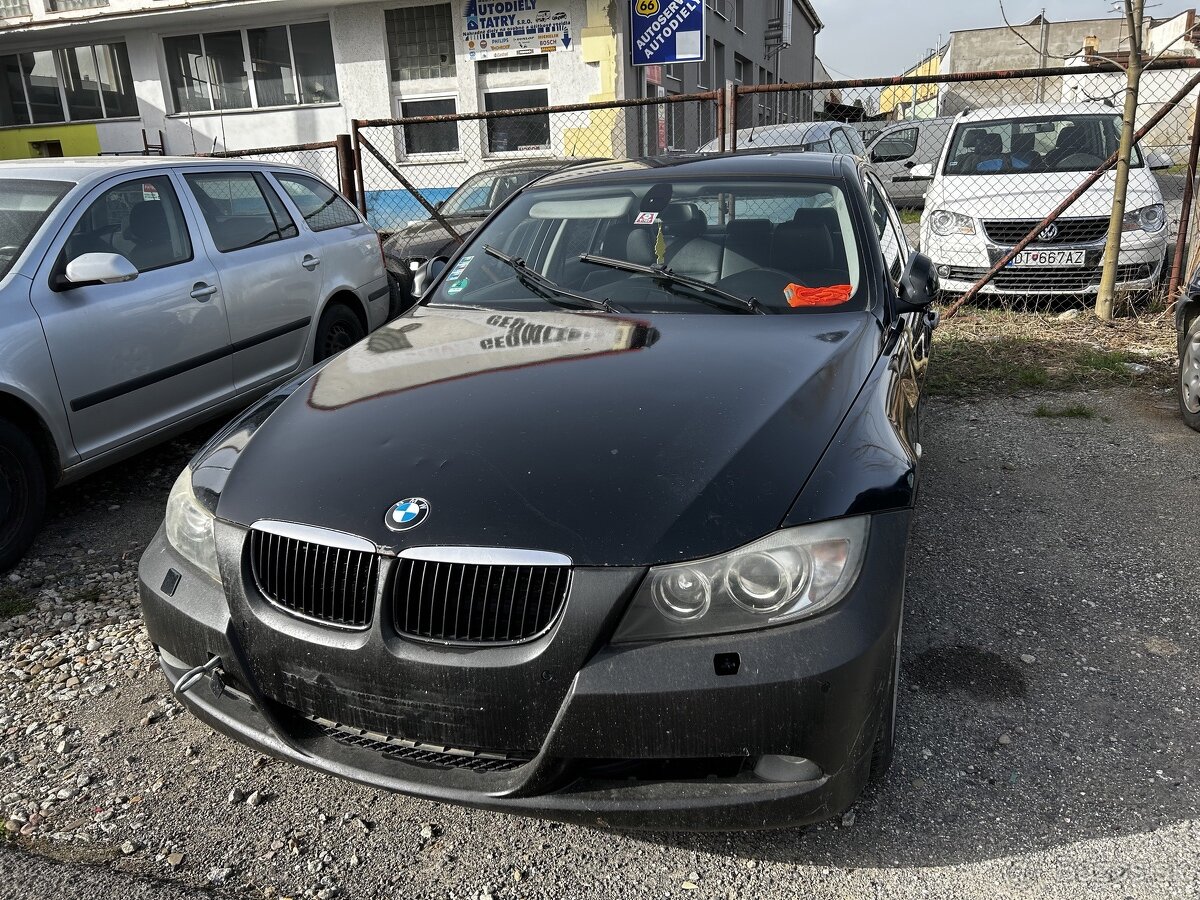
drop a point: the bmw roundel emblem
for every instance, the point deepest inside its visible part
(407, 514)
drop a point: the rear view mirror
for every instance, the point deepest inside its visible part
(923, 170)
(425, 276)
(918, 284)
(100, 268)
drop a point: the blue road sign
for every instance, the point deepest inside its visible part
(666, 31)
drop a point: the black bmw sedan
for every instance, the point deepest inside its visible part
(611, 528)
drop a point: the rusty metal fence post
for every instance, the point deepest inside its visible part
(1185, 214)
(346, 168)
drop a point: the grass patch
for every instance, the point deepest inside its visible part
(1007, 353)
(1074, 411)
(910, 216)
(13, 603)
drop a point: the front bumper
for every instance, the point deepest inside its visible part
(629, 736)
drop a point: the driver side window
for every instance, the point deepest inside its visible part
(892, 242)
(140, 220)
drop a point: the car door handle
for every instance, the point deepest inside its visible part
(202, 291)
(310, 262)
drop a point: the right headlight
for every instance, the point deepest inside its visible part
(190, 526)
(787, 576)
(945, 223)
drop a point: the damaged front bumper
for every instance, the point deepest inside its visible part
(683, 734)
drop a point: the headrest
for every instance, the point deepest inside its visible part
(684, 220)
(989, 143)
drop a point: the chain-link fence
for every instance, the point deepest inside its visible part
(985, 164)
(321, 158)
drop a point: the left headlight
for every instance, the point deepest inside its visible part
(1151, 219)
(787, 576)
(945, 223)
(190, 526)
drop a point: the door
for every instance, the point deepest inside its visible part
(133, 357)
(271, 271)
(893, 156)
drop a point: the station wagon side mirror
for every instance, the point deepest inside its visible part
(918, 285)
(425, 276)
(922, 170)
(98, 268)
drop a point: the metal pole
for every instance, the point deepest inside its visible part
(345, 158)
(1066, 204)
(721, 118)
(360, 185)
(733, 117)
(408, 186)
(1185, 216)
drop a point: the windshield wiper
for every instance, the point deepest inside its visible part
(540, 284)
(662, 273)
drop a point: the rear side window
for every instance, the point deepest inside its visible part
(140, 220)
(241, 210)
(320, 205)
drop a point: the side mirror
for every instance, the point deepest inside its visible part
(1158, 160)
(923, 170)
(425, 276)
(99, 268)
(918, 285)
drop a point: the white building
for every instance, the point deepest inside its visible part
(81, 77)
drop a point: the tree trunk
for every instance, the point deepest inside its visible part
(1116, 223)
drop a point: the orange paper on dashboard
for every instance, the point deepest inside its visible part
(798, 295)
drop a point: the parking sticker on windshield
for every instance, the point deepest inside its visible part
(646, 218)
(797, 295)
(459, 286)
(460, 268)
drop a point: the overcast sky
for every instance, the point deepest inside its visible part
(868, 38)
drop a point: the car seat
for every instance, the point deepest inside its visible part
(148, 232)
(810, 248)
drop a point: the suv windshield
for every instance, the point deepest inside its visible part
(479, 195)
(1048, 144)
(695, 247)
(24, 205)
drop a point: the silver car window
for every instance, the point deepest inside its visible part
(139, 219)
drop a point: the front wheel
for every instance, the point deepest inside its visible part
(22, 493)
(338, 329)
(1189, 376)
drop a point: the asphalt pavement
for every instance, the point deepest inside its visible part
(1047, 732)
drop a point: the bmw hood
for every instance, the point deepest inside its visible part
(614, 440)
(1035, 195)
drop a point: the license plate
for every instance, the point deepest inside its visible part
(1040, 259)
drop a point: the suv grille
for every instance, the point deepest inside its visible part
(1007, 232)
(419, 754)
(329, 584)
(476, 604)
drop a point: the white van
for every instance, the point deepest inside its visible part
(898, 149)
(1005, 169)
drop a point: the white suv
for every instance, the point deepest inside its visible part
(1003, 170)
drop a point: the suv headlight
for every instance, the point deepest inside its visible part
(945, 223)
(1151, 219)
(190, 526)
(789, 575)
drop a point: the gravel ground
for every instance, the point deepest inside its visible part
(1047, 732)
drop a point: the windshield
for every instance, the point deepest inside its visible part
(1049, 144)
(479, 195)
(24, 205)
(681, 246)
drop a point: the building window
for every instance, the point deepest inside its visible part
(66, 5)
(739, 14)
(283, 65)
(10, 9)
(537, 63)
(421, 42)
(94, 81)
(507, 134)
(429, 137)
(742, 69)
(718, 63)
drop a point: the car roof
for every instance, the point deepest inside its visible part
(531, 165)
(85, 169)
(1036, 110)
(706, 165)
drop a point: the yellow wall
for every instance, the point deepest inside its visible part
(892, 97)
(76, 140)
(601, 135)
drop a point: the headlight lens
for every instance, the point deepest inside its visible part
(190, 526)
(789, 575)
(1152, 219)
(945, 223)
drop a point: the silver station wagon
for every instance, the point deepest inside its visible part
(138, 298)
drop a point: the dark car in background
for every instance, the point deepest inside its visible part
(611, 528)
(473, 201)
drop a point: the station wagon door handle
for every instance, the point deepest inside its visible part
(202, 291)
(310, 262)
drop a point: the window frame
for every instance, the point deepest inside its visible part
(56, 54)
(400, 10)
(426, 98)
(547, 150)
(248, 65)
(278, 177)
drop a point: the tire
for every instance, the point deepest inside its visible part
(338, 329)
(1189, 376)
(22, 493)
(885, 741)
(402, 298)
